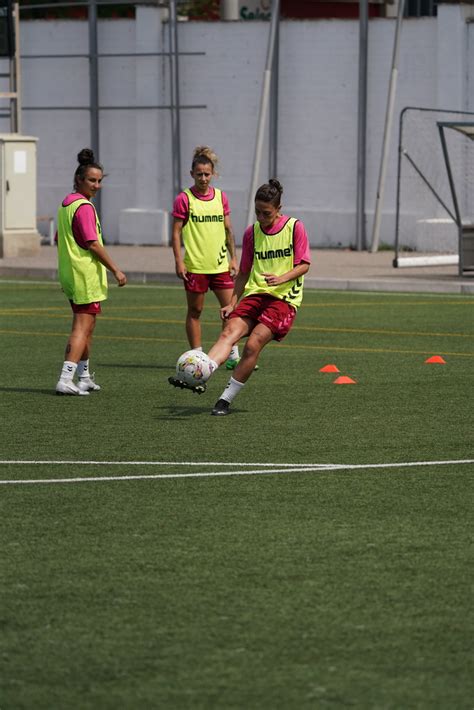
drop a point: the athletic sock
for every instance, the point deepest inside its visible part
(214, 365)
(68, 371)
(234, 353)
(232, 389)
(83, 368)
(199, 348)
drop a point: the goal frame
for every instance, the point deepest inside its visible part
(465, 257)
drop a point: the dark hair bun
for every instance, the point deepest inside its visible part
(85, 157)
(276, 184)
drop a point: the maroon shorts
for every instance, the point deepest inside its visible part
(201, 283)
(276, 314)
(92, 308)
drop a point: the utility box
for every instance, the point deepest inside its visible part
(18, 226)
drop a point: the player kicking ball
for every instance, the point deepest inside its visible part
(267, 293)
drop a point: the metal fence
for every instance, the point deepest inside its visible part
(94, 56)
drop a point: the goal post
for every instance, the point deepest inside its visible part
(434, 220)
(462, 203)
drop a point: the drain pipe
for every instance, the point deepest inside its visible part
(267, 75)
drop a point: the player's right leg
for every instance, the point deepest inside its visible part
(234, 329)
(195, 302)
(224, 296)
(176, 382)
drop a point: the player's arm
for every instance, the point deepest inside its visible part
(230, 244)
(239, 285)
(176, 239)
(103, 256)
(294, 273)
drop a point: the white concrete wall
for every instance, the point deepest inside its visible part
(318, 107)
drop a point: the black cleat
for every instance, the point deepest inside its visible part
(221, 408)
(199, 389)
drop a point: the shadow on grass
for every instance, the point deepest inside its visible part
(177, 413)
(32, 390)
(134, 366)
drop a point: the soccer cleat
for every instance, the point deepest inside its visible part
(199, 389)
(88, 383)
(221, 408)
(232, 363)
(68, 387)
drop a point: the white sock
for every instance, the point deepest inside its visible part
(234, 353)
(232, 389)
(68, 371)
(199, 348)
(83, 368)
(214, 365)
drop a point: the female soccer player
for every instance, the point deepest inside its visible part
(202, 222)
(275, 257)
(82, 265)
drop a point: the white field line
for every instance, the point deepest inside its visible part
(255, 472)
(62, 462)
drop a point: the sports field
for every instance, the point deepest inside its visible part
(312, 550)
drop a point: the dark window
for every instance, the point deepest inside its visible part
(421, 8)
(7, 32)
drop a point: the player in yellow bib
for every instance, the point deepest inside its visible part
(202, 224)
(82, 266)
(275, 258)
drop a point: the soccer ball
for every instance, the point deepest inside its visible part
(194, 367)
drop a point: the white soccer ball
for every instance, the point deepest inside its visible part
(194, 367)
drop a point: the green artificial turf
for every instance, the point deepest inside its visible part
(346, 587)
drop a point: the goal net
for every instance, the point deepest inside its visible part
(435, 189)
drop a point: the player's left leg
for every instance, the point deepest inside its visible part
(224, 296)
(258, 338)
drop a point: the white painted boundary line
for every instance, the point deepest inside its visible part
(255, 472)
(156, 463)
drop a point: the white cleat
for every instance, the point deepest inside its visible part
(87, 384)
(198, 389)
(68, 387)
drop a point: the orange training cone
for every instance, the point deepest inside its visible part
(436, 359)
(329, 368)
(343, 380)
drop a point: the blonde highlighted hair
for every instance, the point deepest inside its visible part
(204, 154)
